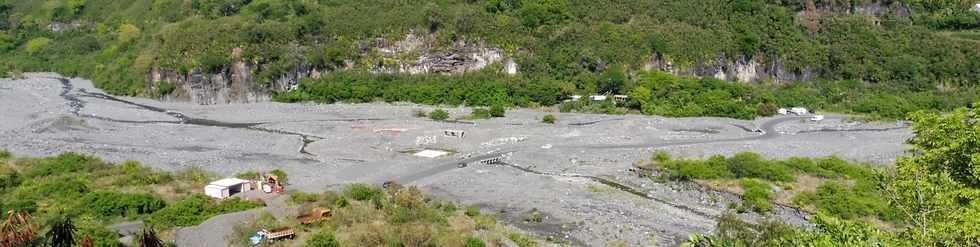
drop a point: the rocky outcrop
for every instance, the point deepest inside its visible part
(741, 69)
(413, 54)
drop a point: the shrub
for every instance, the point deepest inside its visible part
(549, 119)
(249, 175)
(420, 113)
(65, 163)
(303, 197)
(497, 111)
(165, 87)
(758, 195)
(472, 211)
(362, 192)
(322, 239)
(108, 204)
(480, 113)
(194, 209)
(37, 45)
(439, 115)
(4, 154)
(839, 200)
(127, 32)
(475, 242)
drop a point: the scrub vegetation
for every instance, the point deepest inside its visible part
(927, 199)
(364, 215)
(885, 66)
(94, 194)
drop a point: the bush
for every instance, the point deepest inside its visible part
(758, 195)
(128, 32)
(549, 119)
(472, 211)
(4, 154)
(480, 113)
(249, 175)
(303, 197)
(475, 242)
(420, 113)
(838, 200)
(362, 192)
(194, 209)
(165, 87)
(322, 239)
(439, 115)
(110, 204)
(497, 111)
(37, 45)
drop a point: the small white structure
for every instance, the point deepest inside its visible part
(227, 187)
(816, 118)
(431, 153)
(576, 97)
(782, 111)
(598, 97)
(976, 7)
(799, 111)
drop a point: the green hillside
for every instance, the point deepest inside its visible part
(900, 52)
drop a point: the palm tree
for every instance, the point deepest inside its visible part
(149, 239)
(62, 233)
(17, 230)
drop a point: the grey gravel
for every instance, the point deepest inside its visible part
(353, 143)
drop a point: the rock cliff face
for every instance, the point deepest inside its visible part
(412, 54)
(742, 69)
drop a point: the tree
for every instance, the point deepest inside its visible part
(62, 233)
(613, 79)
(148, 238)
(322, 239)
(938, 189)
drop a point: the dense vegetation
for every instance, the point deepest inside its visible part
(894, 63)
(830, 185)
(931, 198)
(364, 215)
(93, 194)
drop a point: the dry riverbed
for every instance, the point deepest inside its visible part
(555, 168)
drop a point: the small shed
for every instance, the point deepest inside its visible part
(576, 97)
(598, 97)
(782, 111)
(227, 187)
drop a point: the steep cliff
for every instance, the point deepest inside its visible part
(412, 54)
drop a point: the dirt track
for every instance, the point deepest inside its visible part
(324, 146)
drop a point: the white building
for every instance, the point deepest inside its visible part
(782, 111)
(576, 97)
(227, 187)
(799, 111)
(598, 97)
